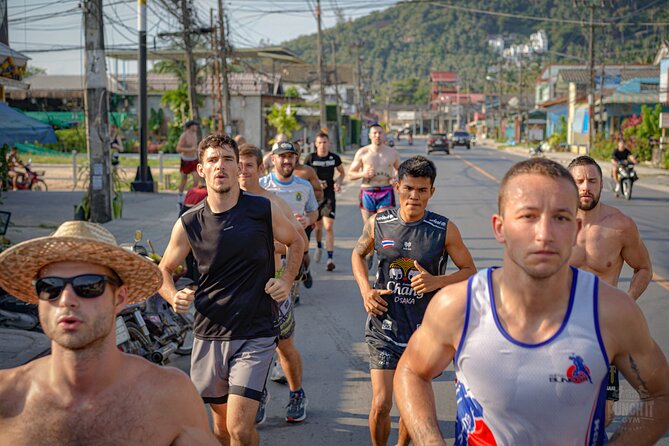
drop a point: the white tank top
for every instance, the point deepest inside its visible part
(512, 393)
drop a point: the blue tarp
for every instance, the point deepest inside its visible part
(15, 127)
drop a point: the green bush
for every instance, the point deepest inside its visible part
(70, 139)
(603, 148)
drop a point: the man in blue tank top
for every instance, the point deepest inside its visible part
(231, 235)
(412, 246)
(532, 341)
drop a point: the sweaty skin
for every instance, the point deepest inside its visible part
(87, 392)
(608, 238)
(537, 227)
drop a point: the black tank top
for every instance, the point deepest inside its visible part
(397, 245)
(234, 251)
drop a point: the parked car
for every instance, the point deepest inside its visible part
(462, 138)
(438, 141)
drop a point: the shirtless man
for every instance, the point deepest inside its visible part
(607, 240)
(250, 162)
(376, 164)
(187, 148)
(531, 342)
(87, 391)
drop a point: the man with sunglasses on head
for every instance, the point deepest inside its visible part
(87, 391)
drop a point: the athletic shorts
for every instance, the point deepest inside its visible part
(238, 367)
(374, 199)
(286, 321)
(382, 354)
(327, 208)
(308, 230)
(613, 384)
(188, 166)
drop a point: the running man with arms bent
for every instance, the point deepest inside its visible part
(376, 164)
(231, 234)
(607, 240)
(532, 341)
(413, 246)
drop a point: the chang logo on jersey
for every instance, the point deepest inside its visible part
(577, 373)
(470, 428)
(400, 273)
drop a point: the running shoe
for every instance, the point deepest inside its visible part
(297, 408)
(262, 414)
(308, 281)
(277, 374)
(330, 265)
(318, 254)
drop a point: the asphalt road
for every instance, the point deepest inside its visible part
(331, 317)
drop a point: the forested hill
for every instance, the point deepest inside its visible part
(411, 39)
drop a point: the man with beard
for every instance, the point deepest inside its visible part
(87, 391)
(608, 239)
(531, 341)
(300, 196)
(231, 234)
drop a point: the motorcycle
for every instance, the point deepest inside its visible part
(151, 328)
(539, 150)
(626, 177)
(32, 180)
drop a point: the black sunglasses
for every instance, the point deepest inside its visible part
(86, 286)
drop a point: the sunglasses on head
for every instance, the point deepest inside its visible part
(86, 286)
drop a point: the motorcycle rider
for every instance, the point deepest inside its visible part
(619, 156)
(85, 392)
(13, 162)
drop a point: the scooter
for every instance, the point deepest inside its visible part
(32, 180)
(626, 177)
(539, 150)
(151, 329)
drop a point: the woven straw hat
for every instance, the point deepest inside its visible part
(76, 241)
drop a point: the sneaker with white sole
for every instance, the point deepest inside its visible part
(297, 408)
(277, 374)
(261, 414)
(318, 254)
(330, 265)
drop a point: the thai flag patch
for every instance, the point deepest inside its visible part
(387, 243)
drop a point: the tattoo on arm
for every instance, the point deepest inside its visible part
(364, 245)
(643, 387)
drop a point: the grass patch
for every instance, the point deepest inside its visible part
(125, 161)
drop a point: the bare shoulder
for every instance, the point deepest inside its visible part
(616, 219)
(362, 151)
(152, 375)
(620, 318)
(279, 204)
(447, 311)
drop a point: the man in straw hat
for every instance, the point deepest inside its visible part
(231, 235)
(87, 391)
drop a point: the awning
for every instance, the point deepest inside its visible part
(651, 97)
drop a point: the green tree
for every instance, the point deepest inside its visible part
(283, 120)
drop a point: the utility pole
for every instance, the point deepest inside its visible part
(591, 89)
(190, 62)
(96, 106)
(223, 59)
(338, 135)
(216, 84)
(321, 77)
(143, 179)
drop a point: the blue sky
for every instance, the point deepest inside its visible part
(57, 25)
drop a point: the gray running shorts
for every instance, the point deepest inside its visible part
(383, 354)
(237, 367)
